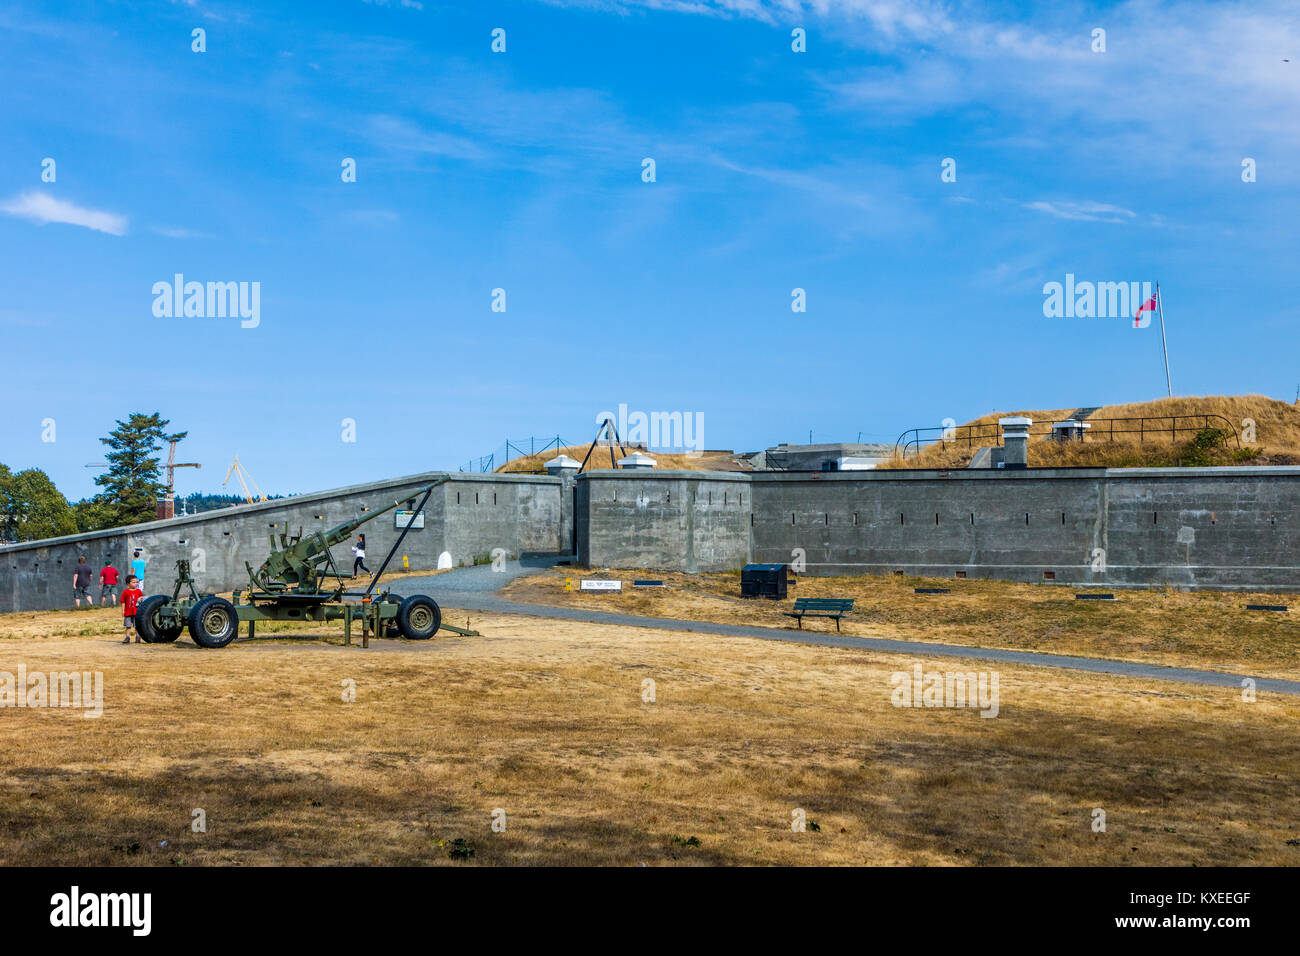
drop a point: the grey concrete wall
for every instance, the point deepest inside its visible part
(1194, 527)
(670, 520)
(39, 576)
(469, 517)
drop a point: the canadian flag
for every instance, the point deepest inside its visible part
(1143, 317)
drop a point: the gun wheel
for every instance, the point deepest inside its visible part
(149, 625)
(213, 622)
(419, 617)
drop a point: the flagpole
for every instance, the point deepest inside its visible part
(1160, 305)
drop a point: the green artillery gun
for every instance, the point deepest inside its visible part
(297, 582)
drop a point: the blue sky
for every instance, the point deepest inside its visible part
(522, 170)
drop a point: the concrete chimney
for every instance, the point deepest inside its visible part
(562, 465)
(637, 462)
(1015, 441)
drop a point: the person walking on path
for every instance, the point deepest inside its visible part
(81, 577)
(108, 583)
(359, 550)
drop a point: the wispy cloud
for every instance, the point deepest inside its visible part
(890, 19)
(43, 208)
(409, 4)
(171, 233)
(393, 132)
(1083, 211)
(372, 217)
(1207, 77)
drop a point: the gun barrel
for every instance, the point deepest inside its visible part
(343, 531)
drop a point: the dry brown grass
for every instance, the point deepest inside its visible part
(703, 461)
(546, 721)
(1277, 435)
(1207, 630)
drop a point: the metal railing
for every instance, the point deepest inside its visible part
(1146, 427)
(511, 450)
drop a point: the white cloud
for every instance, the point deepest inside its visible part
(1083, 211)
(393, 132)
(43, 208)
(171, 233)
(892, 19)
(409, 4)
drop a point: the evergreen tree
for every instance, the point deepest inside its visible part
(132, 485)
(94, 514)
(31, 507)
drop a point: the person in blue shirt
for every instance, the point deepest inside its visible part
(137, 567)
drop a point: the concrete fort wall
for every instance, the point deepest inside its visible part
(1194, 527)
(468, 517)
(1229, 528)
(1232, 528)
(671, 520)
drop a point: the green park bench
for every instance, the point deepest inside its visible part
(820, 607)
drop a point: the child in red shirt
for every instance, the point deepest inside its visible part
(130, 600)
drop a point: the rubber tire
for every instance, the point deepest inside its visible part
(392, 629)
(426, 612)
(144, 622)
(205, 615)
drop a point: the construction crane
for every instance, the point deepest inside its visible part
(245, 479)
(167, 507)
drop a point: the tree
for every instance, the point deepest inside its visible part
(93, 514)
(32, 507)
(132, 484)
(7, 530)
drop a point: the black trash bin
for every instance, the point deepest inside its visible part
(763, 580)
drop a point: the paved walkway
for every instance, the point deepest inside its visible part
(473, 589)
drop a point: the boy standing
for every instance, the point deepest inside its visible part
(130, 600)
(81, 582)
(108, 583)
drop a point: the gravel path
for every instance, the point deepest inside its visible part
(472, 589)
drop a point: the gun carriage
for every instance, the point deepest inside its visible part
(297, 582)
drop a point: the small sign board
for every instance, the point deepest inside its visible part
(414, 518)
(594, 584)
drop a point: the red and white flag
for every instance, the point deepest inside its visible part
(1143, 317)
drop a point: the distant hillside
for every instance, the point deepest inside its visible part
(704, 461)
(1277, 436)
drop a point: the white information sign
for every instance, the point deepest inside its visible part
(404, 517)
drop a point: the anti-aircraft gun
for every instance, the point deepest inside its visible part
(301, 563)
(297, 582)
